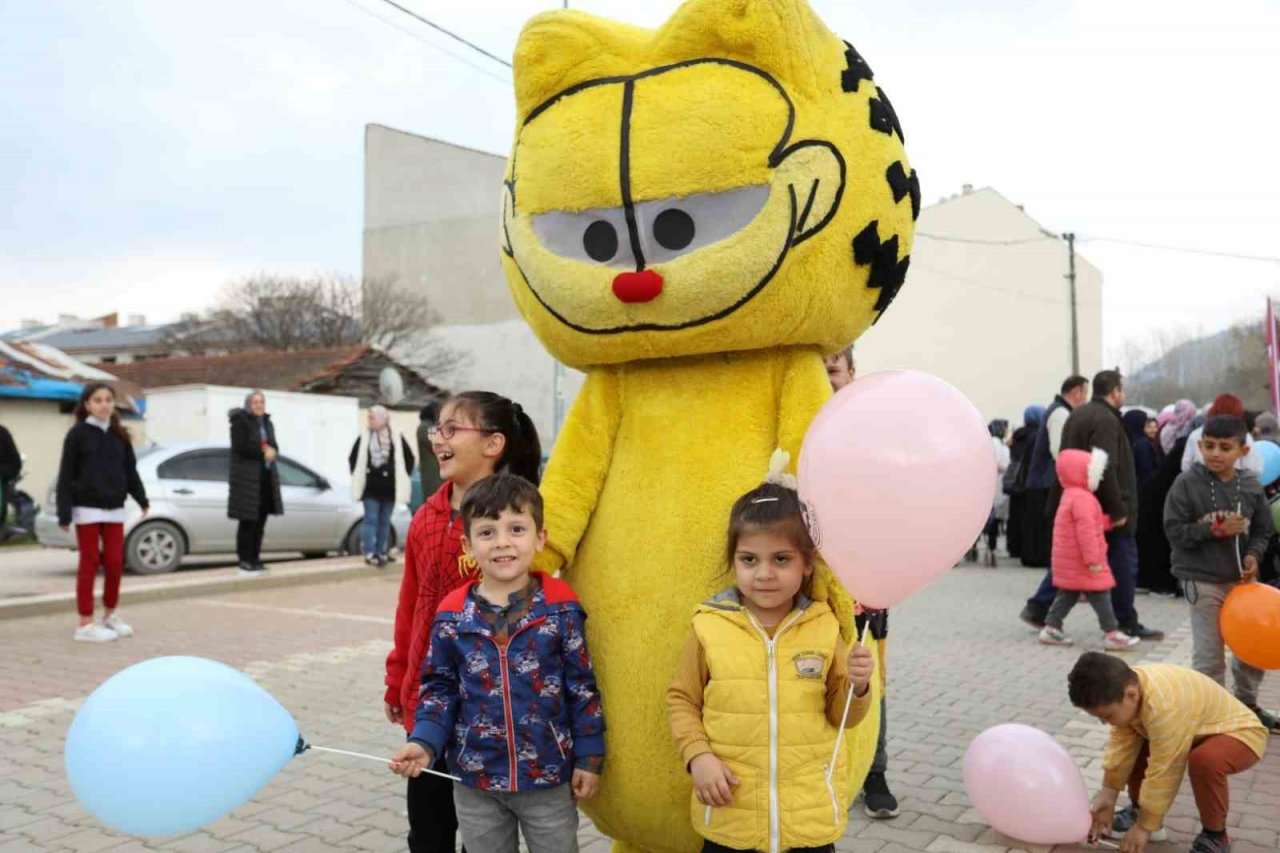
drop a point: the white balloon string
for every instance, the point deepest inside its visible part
(848, 700)
(377, 759)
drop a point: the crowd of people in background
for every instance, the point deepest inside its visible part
(1117, 501)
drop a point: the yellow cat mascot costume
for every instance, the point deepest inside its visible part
(693, 216)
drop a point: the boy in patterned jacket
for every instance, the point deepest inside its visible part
(508, 694)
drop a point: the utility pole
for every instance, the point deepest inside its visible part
(1075, 327)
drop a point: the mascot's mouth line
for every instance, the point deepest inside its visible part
(670, 327)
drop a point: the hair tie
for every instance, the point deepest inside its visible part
(778, 475)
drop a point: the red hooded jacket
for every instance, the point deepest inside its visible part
(434, 566)
(1080, 526)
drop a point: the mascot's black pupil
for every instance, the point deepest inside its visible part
(673, 229)
(600, 241)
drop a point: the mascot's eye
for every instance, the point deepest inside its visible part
(600, 241)
(673, 229)
(596, 236)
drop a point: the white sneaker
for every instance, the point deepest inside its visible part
(1051, 636)
(122, 628)
(1118, 641)
(94, 632)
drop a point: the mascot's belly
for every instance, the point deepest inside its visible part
(694, 435)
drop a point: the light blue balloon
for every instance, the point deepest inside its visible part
(1270, 461)
(173, 743)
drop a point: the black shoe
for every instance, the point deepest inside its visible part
(878, 801)
(971, 556)
(1126, 818)
(1206, 843)
(1267, 718)
(1142, 632)
(1034, 615)
(248, 568)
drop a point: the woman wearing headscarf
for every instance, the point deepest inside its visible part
(1026, 536)
(375, 481)
(1154, 555)
(1144, 452)
(254, 492)
(1178, 425)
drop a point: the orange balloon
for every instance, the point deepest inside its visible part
(1250, 624)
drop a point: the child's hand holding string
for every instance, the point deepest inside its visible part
(410, 760)
(1250, 571)
(862, 664)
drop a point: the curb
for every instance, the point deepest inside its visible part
(65, 602)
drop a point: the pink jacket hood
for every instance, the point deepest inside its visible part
(1080, 470)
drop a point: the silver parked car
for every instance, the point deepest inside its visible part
(187, 486)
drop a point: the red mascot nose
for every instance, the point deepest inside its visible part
(643, 286)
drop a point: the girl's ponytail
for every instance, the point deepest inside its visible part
(523, 453)
(524, 450)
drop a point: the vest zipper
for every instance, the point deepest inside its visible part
(770, 644)
(506, 699)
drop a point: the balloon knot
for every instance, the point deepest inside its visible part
(301, 746)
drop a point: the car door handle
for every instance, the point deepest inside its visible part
(183, 492)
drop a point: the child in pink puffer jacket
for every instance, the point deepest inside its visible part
(1080, 551)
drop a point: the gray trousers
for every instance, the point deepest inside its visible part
(488, 820)
(1207, 648)
(1099, 601)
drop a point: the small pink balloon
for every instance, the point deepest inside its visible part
(898, 473)
(1026, 785)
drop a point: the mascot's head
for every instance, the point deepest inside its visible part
(734, 180)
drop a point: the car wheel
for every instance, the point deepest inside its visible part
(351, 545)
(154, 547)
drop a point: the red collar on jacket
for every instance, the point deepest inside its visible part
(554, 591)
(442, 500)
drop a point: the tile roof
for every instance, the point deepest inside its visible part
(271, 370)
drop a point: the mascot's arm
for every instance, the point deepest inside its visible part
(578, 467)
(805, 389)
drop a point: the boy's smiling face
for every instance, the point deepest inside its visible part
(504, 547)
(1221, 454)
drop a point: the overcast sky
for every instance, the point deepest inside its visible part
(155, 149)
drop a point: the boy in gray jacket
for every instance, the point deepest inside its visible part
(1218, 522)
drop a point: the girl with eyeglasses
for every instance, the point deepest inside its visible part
(479, 433)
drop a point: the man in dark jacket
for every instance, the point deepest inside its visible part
(1098, 424)
(1042, 474)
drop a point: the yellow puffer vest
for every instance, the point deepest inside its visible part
(764, 710)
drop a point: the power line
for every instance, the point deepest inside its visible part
(945, 239)
(477, 48)
(483, 70)
(1184, 249)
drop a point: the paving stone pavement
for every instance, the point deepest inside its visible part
(959, 662)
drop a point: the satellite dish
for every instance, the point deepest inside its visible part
(390, 386)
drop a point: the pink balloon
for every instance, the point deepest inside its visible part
(1027, 786)
(899, 474)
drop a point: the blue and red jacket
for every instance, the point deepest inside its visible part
(512, 716)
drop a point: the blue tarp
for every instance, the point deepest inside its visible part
(37, 388)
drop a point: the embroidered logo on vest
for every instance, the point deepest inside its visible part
(809, 663)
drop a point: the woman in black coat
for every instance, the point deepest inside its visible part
(254, 490)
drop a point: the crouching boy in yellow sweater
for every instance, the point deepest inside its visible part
(1165, 721)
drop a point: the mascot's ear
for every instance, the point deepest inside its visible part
(557, 50)
(814, 172)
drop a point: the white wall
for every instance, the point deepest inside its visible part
(38, 429)
(992, 319)
(315, 429)
(431, 215)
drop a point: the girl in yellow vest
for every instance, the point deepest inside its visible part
(760, 690)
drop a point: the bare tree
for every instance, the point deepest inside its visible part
(276, 312)
(1180, 363)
